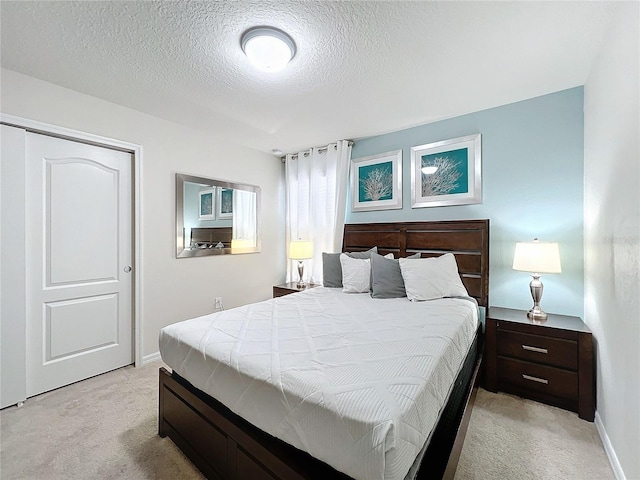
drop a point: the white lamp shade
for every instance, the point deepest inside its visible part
(242, 245)
(300, 250)
(537, 257)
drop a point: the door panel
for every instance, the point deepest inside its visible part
(82, 200)
(79, 243)
(70, 334)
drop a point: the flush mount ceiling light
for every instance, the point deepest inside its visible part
(268, 48)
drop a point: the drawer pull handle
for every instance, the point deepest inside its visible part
(535, 379)
(534, 349)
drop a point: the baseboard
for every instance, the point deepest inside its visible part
(152, 357)
(608, 448)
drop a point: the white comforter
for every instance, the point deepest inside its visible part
(354, 381)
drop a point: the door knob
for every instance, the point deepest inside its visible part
(127, 269)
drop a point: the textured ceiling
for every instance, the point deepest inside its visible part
(362, 68)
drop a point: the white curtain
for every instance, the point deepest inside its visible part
(244, 217)
(316, 189)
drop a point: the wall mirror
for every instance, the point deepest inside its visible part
(216, 217)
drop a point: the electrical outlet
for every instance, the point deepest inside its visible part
(218, 304)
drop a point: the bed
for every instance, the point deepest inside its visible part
(426, 440)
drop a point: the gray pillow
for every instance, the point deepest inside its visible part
(386, 277)
(332, 270)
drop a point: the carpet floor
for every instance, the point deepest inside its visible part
(106, 428)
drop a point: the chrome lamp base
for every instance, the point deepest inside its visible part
(301, 283)
(536, 314)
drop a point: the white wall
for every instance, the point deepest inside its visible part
(173, 289)
(612, 233)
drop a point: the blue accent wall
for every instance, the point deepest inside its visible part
(191, 206)
(532, 186)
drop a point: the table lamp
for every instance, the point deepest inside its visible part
(300, 250)
(536, 258)
(242, 245)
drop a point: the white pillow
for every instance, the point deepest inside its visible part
(431, 278)
(356, 274)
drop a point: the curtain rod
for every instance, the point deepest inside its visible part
(320, 150)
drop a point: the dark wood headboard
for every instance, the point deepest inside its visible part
(212, 235)
(468, 240)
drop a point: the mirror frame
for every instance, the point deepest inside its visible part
(181, 251)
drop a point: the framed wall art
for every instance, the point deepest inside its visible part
(225, 202)
(447, 172)
(206, 204)
(376, 182)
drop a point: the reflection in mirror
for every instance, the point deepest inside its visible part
(216, 217)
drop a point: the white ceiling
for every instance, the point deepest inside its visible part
(362, 68)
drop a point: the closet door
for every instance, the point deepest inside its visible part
(12, 261)
(79, 238)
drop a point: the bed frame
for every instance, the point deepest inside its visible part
(225, 446)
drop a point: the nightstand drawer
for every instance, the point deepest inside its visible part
(538, 348)
(538, 378)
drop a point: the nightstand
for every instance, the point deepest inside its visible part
(551, 362)
(291, 287)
